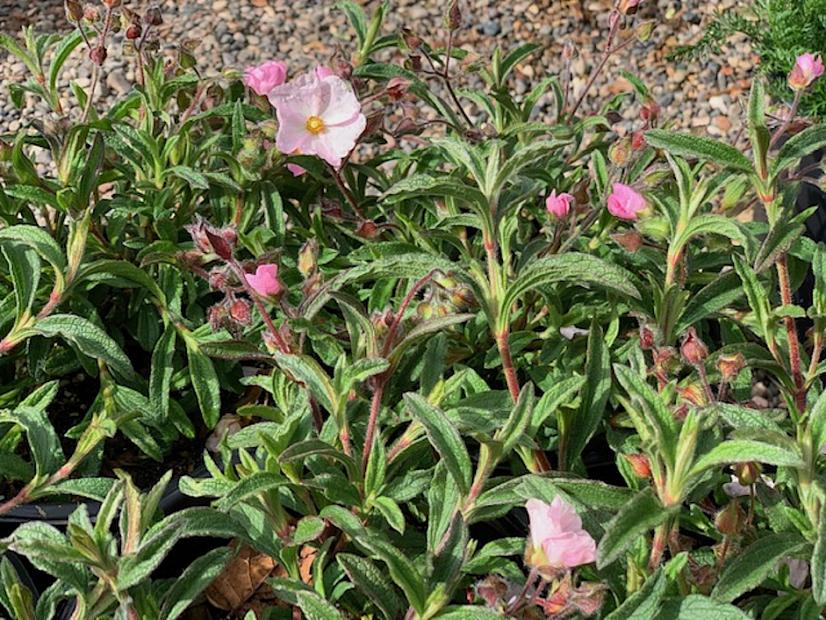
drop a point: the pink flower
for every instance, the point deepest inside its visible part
(558, 205)
(263, 78)
(557, 539)
(318, 116)
(807, 68)
(624, 202)
(265, 281)
(296, 170)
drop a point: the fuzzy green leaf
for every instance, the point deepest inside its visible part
(687, 145)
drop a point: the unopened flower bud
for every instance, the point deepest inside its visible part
(693, 394)
(367, 229)
(644, 30)
(410, 39)
(91, 13)
(630, 240)
(730, 366)
(216, 315)
(153, 16)
(424, 310)
(454, 16)
(308, 258)
(241, 311)
(638, 141)
(629, 7)
(74, 11)
(219, 244)
(646, 338)
(217, 279)
(462, 298)
(639, 465)
(415, 62)
(650, 110)
(693, 350)
(730, 520)
(112, 4)
(748, 473)
(568, 51)
(133, 32)
(397, 88)
(98, 55)
(619, 152)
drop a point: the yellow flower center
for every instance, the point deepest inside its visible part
(315, 125)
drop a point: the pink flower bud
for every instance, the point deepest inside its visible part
(807, 68)
(263, 78)
(557, 540)
(560, 205)
(624, 202)
(265, 281)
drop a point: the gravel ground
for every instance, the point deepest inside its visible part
(706, 96)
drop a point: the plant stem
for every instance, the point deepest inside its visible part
(791, 333)
(615, 22)
(348, 195)
(787, 121)
(507, 363)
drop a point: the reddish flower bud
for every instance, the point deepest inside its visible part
(98, 55)
(74, 11)
(748, 473)
(410, 39)
(729, 521)
(397, 88)
(630, 240)
(241, 311)
(730, 366)
(693, 350)
(90, 13)
(638, 141)
(646, 338)
(650, 110)
(217, 279)
(454, 15)
(112, 4)
(619, 152)
(133, 32)
(694, 394)
(629, 7)
(367, 230)
(153, 16)
(639, 464)
(220, 245)
(216, 315)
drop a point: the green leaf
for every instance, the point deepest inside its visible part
(755, 293)
(644, 604)
(699, 607)
(518, 421)
(799, 146)
(780, 239)
(308, 528)
(468, 612)
(402, 571)
(204, 382)
(642, 513)
(308, 371)
(250, 486)
(744, 451)
(89, 338)
(717, 295)
(444, 437)
(372, 582)
(750, 567)
(194, 580)
(315, 447)
(391, 512)
(595, 391)
(39, 240)
(818, 563)
(574, 268)
(160, 373)
(43, 440)
(24, 265)
(687, 145)
(315, 607)
(739, 417)
(356, 17)
(61, 54)
(656, 422)
(191, 176)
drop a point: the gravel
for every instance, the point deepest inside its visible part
(706, 96)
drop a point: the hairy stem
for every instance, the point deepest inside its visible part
(791, 334)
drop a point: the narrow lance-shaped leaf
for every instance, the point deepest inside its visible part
(204, 382)
(687, 145)
(444, 437)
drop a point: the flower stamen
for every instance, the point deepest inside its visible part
(315, 125)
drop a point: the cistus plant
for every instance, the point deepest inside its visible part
(430, 350)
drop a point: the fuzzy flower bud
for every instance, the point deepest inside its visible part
(730, 366)
(240, 311)
(639, 464)
(98, 55)
(153, 16)
(807, 68)
(74, 11)
(693, 350)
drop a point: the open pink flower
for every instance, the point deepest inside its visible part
(807, 68)
(322, 72)
(263, 78)
(624, 202)
(318, 116)
(557, 539)
(265, 281)
(558, 205)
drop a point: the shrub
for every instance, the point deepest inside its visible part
(392, 314)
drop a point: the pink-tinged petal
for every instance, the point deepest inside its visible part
(265, 77)
(337, 141)
(322, 72)
(564, 515)
(295, 169)
(339, 104)
(807, 68)
(624, 202)
(560, 205)
(265, 281)
(540, 524)
(291, 137)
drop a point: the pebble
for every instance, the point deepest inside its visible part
(706, 95)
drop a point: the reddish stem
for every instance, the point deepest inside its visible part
(791, 333)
